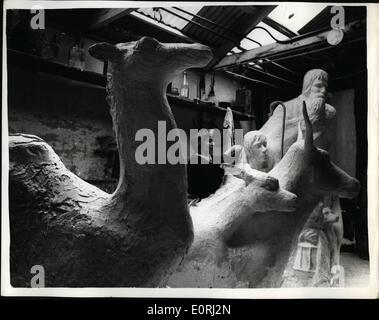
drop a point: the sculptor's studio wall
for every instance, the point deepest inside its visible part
(225, 88)
(343, 147)
(73, 118)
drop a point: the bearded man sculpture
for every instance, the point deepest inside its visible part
(314, 92)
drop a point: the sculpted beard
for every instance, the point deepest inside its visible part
(316, 109)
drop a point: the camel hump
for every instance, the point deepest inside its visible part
(37, 172)
(18, 138)
(27, 148)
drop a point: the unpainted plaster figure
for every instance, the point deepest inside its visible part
(313, 259)
(239, 239)
(322, 115)
(255, 147)
(217, 217)
(82, 236)
(313, 176)
(314, 92)
(229, 130)
(253, 152)
(334, 235)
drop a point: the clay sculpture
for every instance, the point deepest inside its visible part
(254, 252)
(82, 236)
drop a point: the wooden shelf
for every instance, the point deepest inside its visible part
(205, 106)
(58, 69)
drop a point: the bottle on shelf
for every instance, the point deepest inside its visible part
(76, 57)
(184, 91)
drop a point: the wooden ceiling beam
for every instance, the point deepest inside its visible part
(275, 49)
(254, 15)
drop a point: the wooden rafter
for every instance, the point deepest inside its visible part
(271, 50)
(255, 14)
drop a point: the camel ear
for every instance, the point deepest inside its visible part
(104, 51)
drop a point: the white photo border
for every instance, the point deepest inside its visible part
(371, 291)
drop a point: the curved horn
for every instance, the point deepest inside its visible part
(308, 143)
(299, 132)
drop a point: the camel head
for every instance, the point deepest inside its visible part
(150, 60)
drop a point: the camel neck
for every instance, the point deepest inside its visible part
(136, 106)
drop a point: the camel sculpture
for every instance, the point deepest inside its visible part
(82, 236)
(138, 235)
(255, 252)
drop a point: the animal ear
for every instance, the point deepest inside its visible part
(246, 173)
(239, 171)
(233, 153)
(104, 51)
(232, 169)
